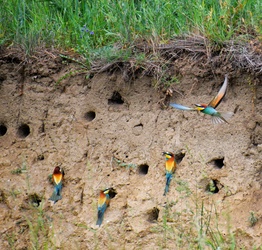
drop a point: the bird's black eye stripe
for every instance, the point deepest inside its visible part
(167, 153)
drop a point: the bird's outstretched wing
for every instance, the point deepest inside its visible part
(181, 107)
(218, 98)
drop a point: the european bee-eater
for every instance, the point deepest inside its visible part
(103, 202)
(57, 177)
(170, 168)
(209, 109)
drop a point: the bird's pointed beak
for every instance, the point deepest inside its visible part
(199, 107)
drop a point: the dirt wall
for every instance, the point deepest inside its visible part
(104, 131)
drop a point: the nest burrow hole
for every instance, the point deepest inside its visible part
(34, 199)
(116, 98)
(40, 157)
(179, 157)
(90, 116)
(143, 169)
(153, 215)
(218, 162)
(23, 130)
(3, 130)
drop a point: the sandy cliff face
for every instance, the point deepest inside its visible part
(104, 131)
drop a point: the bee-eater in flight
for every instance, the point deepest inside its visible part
(170, 169)
(103, 202)
(57, 178)
(209, 109)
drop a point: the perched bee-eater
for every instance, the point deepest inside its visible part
(209, 109)
(57, 178)
(170, 168)
(103, 202)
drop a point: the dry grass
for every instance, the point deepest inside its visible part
(156, 60)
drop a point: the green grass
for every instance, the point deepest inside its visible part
(93, 28)
(20, 170)
(252, 219)
(40, 230)
(11, 239)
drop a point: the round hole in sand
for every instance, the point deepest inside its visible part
(3, 129)
(23, 131)
(153, 215)
(219, 163)
(90, 116)
(34, 199)
(143, 169)
(40, 157)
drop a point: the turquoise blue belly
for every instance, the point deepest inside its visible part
(209, 111)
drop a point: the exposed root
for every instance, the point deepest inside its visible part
(244, 56)
(159, 60)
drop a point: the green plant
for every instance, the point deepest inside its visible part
(209, 232)
(252, 219)
(11, 239)
(20, 170)
(14, 193)
(88, 26)
(123, 164)
(211, 187)
(183, 188)
(39, 229)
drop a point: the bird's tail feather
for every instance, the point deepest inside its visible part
(221, 117)
(100, 217)
(226, 115)
(55, 197)
(168, 180)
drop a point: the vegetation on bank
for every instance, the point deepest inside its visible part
(99, 28)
